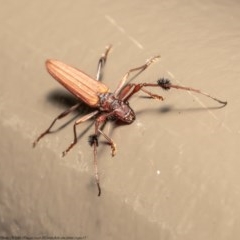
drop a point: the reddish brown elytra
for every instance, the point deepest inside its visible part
(106, 104)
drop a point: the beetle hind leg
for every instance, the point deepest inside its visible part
(62, 115)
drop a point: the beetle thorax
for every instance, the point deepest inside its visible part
(119, 109)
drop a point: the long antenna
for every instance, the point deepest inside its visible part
(166, 85)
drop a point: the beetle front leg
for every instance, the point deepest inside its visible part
(101, 120)
(82, 119)
(110, 141)
(130, 89)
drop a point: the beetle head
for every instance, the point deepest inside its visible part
(124, 113)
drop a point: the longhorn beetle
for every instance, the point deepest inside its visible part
(106, 104)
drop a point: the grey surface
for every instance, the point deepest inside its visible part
(176, 172)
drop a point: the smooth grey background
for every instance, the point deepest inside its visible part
(176, 172)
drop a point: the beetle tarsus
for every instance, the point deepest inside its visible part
(39, 137)
(64, 153)
(114, 149)
(34, 144)
(153, 59)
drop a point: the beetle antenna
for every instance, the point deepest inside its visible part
(93, 141)
(165, 84)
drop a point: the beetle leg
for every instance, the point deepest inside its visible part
(130, 89)
(63, 114)
(82, 119)
(101, 120)
(102, 62)
(141, 68)
(110, 141)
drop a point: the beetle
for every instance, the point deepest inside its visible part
(107, 105)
